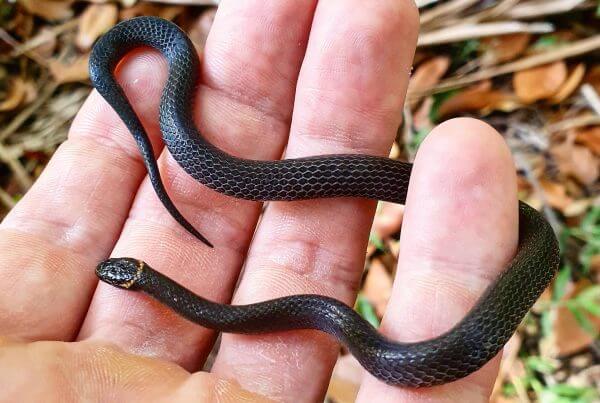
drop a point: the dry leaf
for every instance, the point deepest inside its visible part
(567, 336)
(94, 21)
(49, 10)
(503, 48)
(345, 380)
(479, 97)
(166, 12)
(67, 73)
(556, 194)
(540, 82)
(378, 286)
(15, 96)
(593, 78)
(428, 74)
(589, 137)
(388, 219)
(422, 116)
(570, 85)
(576, 161)
(201, 27)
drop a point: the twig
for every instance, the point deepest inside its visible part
(470, 31)
(450, 7)
(579, 121)
(6, 199)
(496, 11)
(592, 98)
(18, 120)
(33, 55)
(574, 49)
(537, 188)
(534, 9)
(21, 175)
(43, 37)
(423, 3)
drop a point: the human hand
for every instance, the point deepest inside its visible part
(265, 87)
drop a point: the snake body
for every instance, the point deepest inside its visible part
(477, 338)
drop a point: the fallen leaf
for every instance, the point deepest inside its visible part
(388, 219)
(378, 286)
(67, 73)
(145, 8)
(503, 48)
(200, 28)
(95, 20)
(345, 380)
(15, 95)
(593, 78)
(570, 85)
(479, 97)
(556, 194)
(576, 161)
(539, 82)
(428, 74)
(422, 116)
(567, 336)
(49, 10)
(589, 137)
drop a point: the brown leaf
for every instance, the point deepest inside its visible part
(15, 96)
(576, 161)
(428, 73)
(67, 73)
(94, 21)
(49, 10)
(503, 48)
(589, 137)
(201, 27)
(567, 336)
(570, 85)
(540, 82)
(593, 77)
(388, 219)
(144, 8)
(378, 286)
(345, 380)
(556, 194)
(479, 97)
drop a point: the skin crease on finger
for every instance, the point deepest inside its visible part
(90, 371)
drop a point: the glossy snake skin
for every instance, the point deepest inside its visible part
(463, 349)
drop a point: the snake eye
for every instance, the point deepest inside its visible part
(121, 272)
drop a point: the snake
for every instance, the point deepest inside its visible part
(478, 337)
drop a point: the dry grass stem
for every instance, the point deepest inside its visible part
(564, 52)
(470, 31)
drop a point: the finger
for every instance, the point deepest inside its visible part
(349, 96)
(244, 106)
(459, 232)
(71, 217)
(88, 371)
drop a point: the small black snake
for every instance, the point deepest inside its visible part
(466, 347)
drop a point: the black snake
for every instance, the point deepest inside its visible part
(466, 347)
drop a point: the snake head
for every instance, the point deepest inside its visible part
(121, 272)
